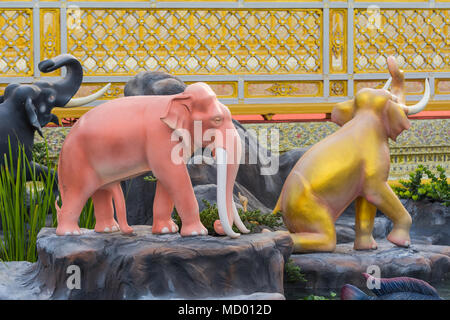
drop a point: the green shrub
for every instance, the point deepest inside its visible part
(332, 296)
(251, 219)
(292, 272)
(150, 178)
(40, 152)
(435, 190)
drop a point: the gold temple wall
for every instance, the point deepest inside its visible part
(261, 57)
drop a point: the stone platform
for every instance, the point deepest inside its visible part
(147, 266)
(327, 272)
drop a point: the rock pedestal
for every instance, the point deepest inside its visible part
(147, 266)
(327, 272)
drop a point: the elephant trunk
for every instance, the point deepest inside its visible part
(397, 80)
(227, 168)
(68, 86)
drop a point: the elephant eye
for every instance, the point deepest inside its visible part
(217, 120)
(51, 98)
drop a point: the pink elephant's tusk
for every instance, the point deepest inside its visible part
(221, 156)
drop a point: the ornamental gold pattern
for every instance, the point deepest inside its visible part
(50, 34)
(338, 45)
(196, 41)
(418, 37)
(287, 52)
(16, 42)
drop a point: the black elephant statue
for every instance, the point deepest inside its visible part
(261, 190)
(26, 108)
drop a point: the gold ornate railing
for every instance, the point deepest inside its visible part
(260, 57)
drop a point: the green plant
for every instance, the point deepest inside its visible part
(25, 207)
(292, 272)
(40, 152)
(251, 219)
(150, 178)
(437, 189)
(22, 221)
(332, 296)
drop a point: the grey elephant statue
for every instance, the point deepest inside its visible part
(26, 108)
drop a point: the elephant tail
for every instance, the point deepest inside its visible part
(58, 208)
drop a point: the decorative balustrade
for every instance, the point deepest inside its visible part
(260, 57)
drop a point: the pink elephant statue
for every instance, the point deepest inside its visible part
(126, 137)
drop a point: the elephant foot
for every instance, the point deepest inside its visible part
(193, 230)
(399, 237)
(106, 226)
(164, 227)
(126, 229)
(68, 230)
(365, 243)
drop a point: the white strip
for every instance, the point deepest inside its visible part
(77, 102)
(419, 106)
(221, 156)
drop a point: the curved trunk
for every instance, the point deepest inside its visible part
(68, 86)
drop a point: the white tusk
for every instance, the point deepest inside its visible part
(77, 102)
(388, 84)
(238, 222)
(221, 156)
(419, 106)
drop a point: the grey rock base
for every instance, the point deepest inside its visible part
(327, 272)
(147, 266)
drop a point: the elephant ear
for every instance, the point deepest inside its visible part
(177, 114)
(395, 119)
(343, 112)
(32, 116)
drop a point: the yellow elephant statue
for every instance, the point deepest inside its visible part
(351, 164)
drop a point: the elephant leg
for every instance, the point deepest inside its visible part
(364, 221)
(310, 221)
(121, 210)
(177, 183)
(382, 196)
(319, 236)
(69, 213)
(104, 211)
(162, 211)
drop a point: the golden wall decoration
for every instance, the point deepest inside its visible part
(223, 89)
(262, 60)
(419, 38)
(442, 86)
(338, 88)
(16, 42)
(338, 42)
(412, 86)
(267, 89)
(196, 41)
(50, 34)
